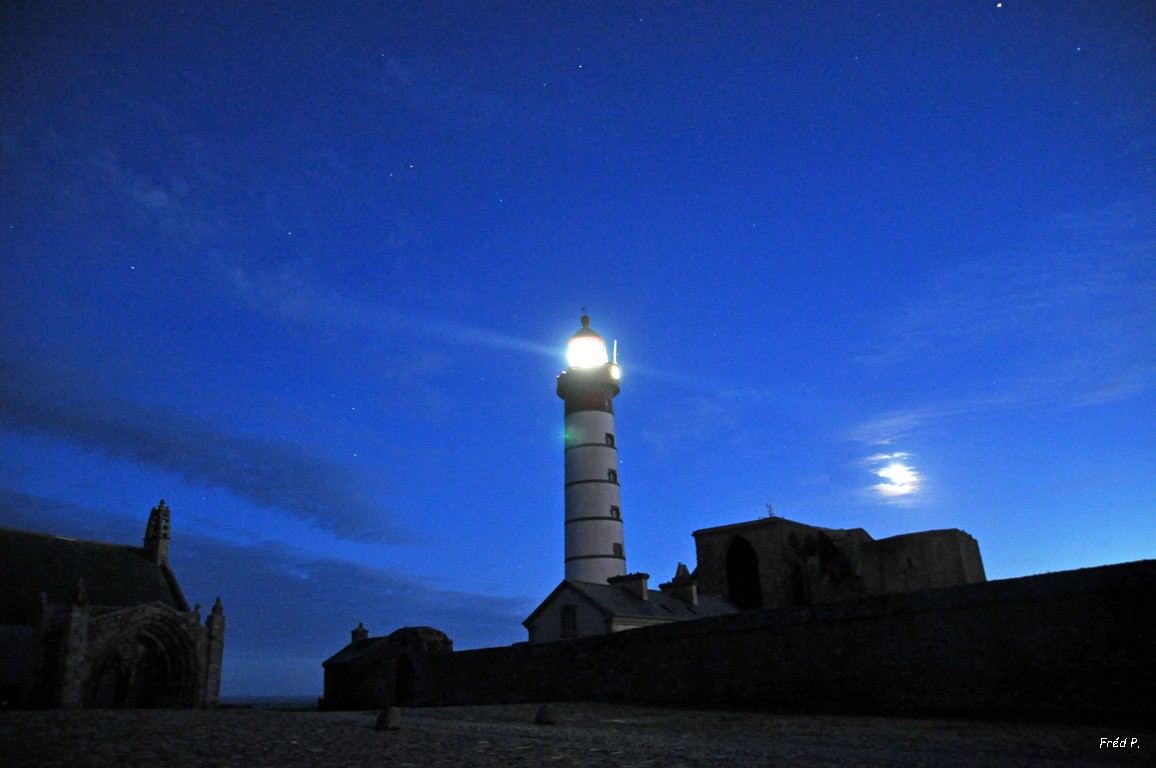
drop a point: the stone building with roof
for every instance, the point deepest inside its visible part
(578, 609)
(373, 671)
(93, 624)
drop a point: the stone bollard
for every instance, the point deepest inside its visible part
(546, 716)
(388, 720)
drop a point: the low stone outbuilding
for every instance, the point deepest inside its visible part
(580, 609)
(92, 624)
(374, 672)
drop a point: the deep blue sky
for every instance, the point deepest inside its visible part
(307, 271)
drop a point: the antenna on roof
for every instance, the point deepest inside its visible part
(615, 358)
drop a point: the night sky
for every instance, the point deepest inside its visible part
(307, 272)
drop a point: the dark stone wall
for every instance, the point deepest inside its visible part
(1071, 645)
(923, 560)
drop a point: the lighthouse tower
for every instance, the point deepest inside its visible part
(594, 543)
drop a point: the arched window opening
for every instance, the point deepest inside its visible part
(743, 575)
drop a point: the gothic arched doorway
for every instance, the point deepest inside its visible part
(150, 665)
(743, 574)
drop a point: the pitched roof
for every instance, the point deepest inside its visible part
(618, 602)
(113, 574)
(356, 651)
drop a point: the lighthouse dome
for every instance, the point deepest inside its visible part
(586, 348)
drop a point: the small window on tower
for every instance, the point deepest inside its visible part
(569, 621)
(615, 511)
(618, 550)
(612, 475)
(610, 439)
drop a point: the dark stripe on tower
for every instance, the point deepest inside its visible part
(593, 399)
(591, 445)
(596, 557)
(579, 482)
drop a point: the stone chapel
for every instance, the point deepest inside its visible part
(88, 624)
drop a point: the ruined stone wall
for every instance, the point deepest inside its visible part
(214, 651)
(779, 565)
(796, 564)
(1076, 644)
(924, 560)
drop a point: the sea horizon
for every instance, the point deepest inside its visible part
(272, 701)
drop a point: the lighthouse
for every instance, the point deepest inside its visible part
(594, 542)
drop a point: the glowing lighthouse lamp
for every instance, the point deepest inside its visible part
(588, 350)
(594, 540)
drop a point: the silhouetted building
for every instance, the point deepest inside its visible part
(91, 624)
(382, 671)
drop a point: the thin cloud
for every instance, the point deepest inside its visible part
(288, 293)
(210, 238)
(175, 207)
(28, 512)
(1061, 391)
(39, 398)
(892, 426)
(456, 98)
(1072, 312)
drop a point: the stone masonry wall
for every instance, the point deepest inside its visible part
(1070, 645)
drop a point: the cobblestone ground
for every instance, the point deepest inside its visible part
(586, 735)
